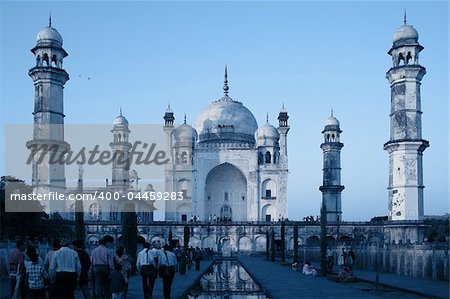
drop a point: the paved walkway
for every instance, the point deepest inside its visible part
(281, 282)
(425, 287)
(180, 284)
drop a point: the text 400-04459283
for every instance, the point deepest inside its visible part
(156, 196)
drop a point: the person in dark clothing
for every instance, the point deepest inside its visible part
(85, 261)
(197, 257)
(15, 259)
(118, 283)
(167, 263)
(147, 263)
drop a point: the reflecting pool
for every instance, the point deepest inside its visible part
(226, 278)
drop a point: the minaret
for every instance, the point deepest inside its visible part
(121, 150)
(331, 188)
(406, 145)
(168, 128)
(283, 128)
(49, 77)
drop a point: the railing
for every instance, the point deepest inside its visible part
(262, 223)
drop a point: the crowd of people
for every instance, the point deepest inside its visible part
(345, 261)
(311, 218)
(68, 266)
(104, 273)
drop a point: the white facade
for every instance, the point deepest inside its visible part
(227, 167)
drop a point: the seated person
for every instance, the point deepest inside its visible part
(345, 272)
(308, 269)
(294, 267)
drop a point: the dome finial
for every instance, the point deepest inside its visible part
(267, 118)
(404, 17)
(50, 19)
(185, 118)
(332, 111)
(120, 111)
(225, 82)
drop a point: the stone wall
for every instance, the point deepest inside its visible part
(422, 261)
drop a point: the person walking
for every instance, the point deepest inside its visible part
(167, 263)
(65, 268)
(147, 264)
(102, 264)
(56, 245)
(124, 260)
(118, 283)
(36, 277)
(85, 262)
(350, 260)
(16, 257)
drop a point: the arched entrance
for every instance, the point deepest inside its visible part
(226, 193)
(269, 213)
(225, 213)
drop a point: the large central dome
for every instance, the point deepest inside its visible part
(226, 120)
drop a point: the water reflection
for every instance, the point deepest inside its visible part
(226, 279)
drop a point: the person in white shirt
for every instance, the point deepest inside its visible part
(167, 263)
(147, 264)
(65, 268)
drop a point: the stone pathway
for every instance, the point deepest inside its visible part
(180, 284)
(285, 283)
(281, 282)
(425, 287)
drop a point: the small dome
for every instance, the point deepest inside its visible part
(267, 131)
(49, 35)
(406, 32)
(331, 121)
(120, 121)
(185, 132)
(149, 187)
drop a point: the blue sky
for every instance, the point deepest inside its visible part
(310, 55)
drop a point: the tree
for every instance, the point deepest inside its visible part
(295, 242)
(58, 227)
(267, 244)
(20, 218)
(129, 230)
(283, 241)
(438, 231)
